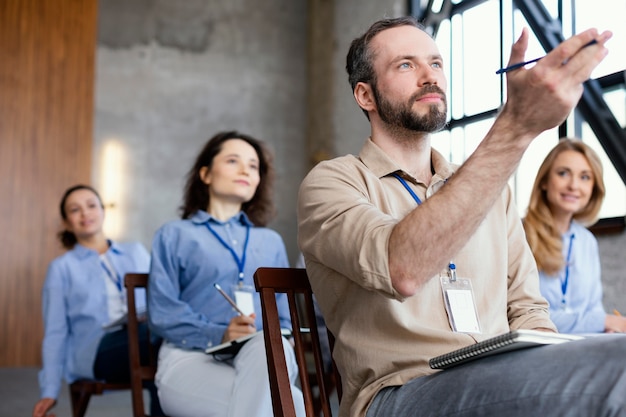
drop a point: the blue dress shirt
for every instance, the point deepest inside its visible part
(75, 308)
(187, 260)
(583, 311)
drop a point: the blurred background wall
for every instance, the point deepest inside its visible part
(123, 94)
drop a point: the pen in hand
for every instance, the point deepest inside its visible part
(522, 64)
(230, 300)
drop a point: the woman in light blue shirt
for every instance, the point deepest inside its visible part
(567, 196)
(83, 291)
(221, 239)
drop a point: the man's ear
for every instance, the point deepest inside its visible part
(364, 97)
(205, 175)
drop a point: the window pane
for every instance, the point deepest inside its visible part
(470, 45)
(522, 181)
(605, 15)
(459, 143)
(615, 199)
(455, 87)
(444, 45)
(481, 58)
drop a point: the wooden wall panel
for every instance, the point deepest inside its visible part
(47, 61)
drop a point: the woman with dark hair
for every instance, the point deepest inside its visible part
(82, 293)
(566, 197)
(221, 239)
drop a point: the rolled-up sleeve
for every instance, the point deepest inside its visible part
(340, 227)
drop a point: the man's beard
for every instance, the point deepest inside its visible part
(403, 116)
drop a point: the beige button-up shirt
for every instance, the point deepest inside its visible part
(347, 208)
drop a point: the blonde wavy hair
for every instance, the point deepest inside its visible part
(543, 237)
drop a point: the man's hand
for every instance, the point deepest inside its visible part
(43, 406)
(542, 97)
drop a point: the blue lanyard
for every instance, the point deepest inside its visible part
(241, 262)
(403, 182)
(451, 265)
(567, 262)
(113, 276)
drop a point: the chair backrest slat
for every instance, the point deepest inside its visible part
(294, 282)
(138, 372)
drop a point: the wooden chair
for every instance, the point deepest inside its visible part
(138, 373)
(82, 390)
(295, 283)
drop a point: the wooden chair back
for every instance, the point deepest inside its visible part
(138, 373)
(295, 283)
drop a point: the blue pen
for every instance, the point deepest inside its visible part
(521, 64)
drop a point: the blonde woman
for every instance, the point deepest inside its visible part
(566, 197)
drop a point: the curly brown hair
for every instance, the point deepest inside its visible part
(260, 209)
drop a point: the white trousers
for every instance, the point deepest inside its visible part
(193, 384)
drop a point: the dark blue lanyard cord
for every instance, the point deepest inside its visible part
(241, 262)
(403, 182)
(567, 262)
(113, 275)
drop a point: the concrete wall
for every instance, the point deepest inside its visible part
(612, 250)
(172, 73)
(351, 126)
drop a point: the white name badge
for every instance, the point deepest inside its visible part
(460, 306)
(244, 298)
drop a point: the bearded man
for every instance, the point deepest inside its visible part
(411, 257)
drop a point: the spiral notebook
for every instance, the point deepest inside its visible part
(516, 339)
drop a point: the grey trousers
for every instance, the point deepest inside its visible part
(585, 378)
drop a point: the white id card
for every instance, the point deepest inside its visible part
(459, 300)
(244, 298)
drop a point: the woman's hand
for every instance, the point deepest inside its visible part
(615, 324)
(239, 326)
(43, 406)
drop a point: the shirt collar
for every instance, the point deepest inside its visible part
(382, 165)
(83, 252)
(201, 217)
